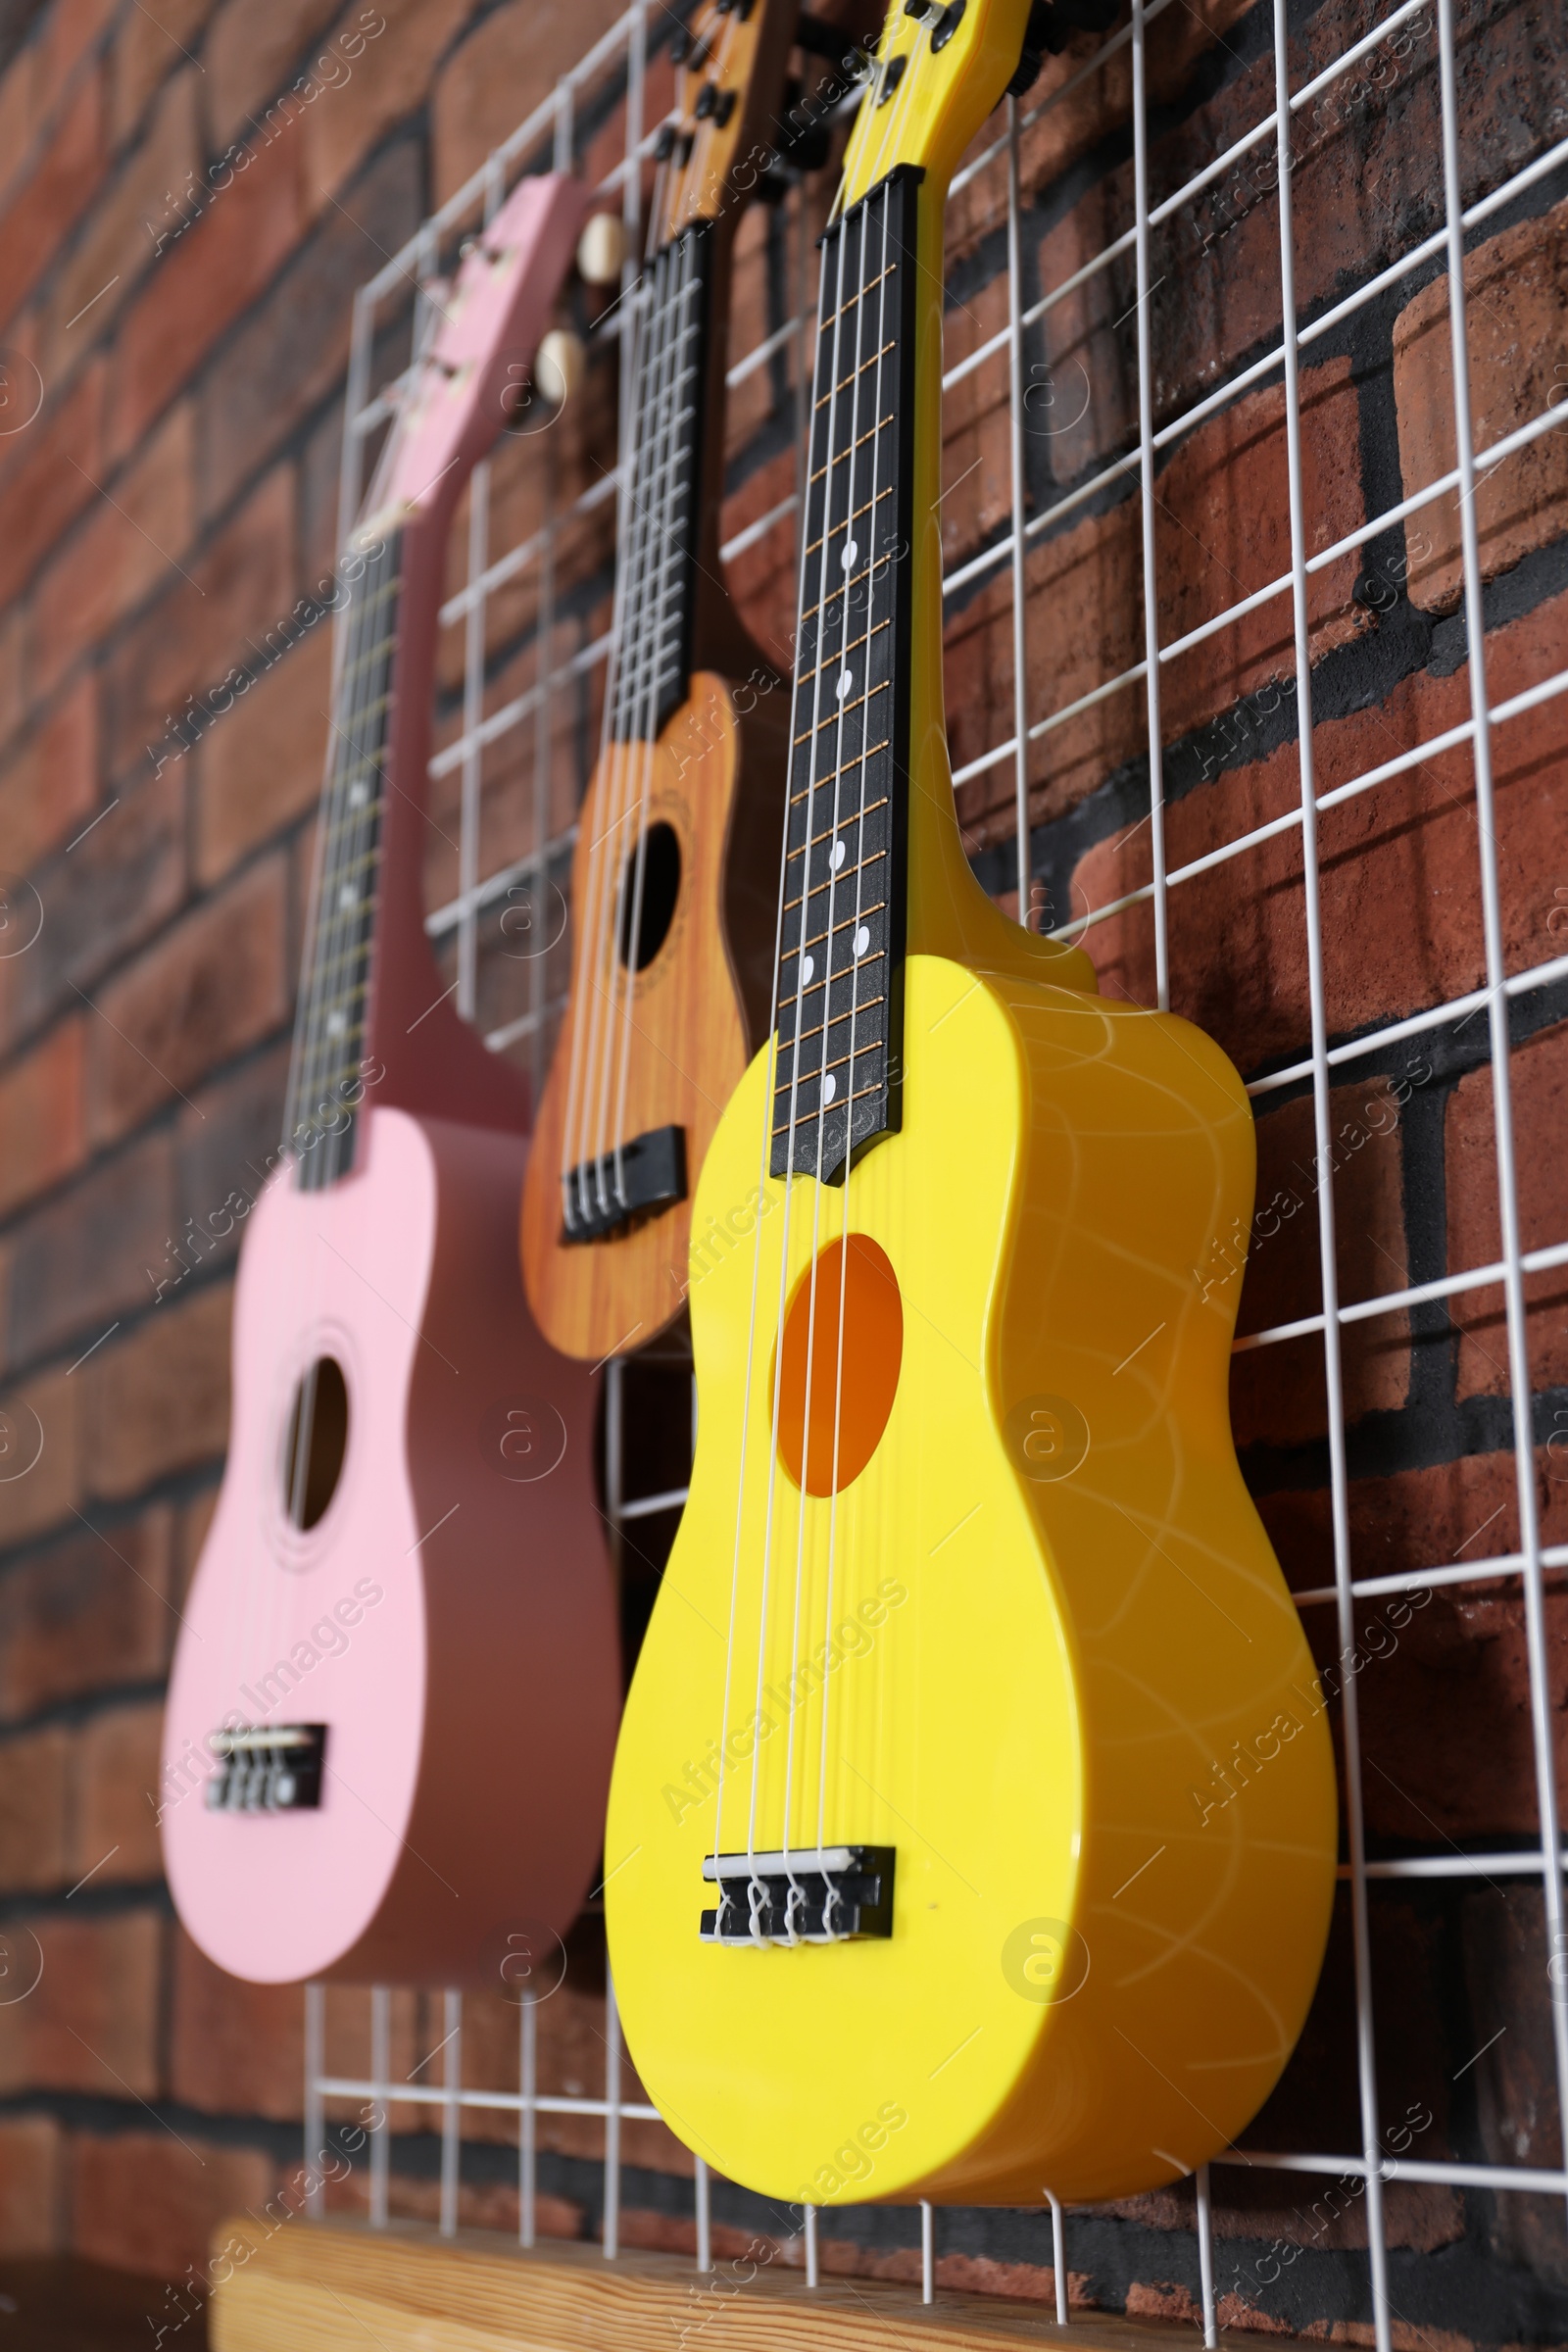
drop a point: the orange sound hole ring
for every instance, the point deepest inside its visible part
(873, 1350)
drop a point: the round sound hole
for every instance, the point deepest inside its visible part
(855, 1413)
(316, 1441)
(660, 889)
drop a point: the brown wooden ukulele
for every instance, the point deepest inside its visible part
(676, 864)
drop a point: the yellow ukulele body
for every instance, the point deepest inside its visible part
(1053, 1611)
(969, 1592)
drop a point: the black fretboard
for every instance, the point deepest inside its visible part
(840, 963)
(657, 554)
(330, 1025)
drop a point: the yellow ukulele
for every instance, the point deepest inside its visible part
(922, 1879)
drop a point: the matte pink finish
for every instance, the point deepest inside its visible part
(471, 1708)
(465, 1654)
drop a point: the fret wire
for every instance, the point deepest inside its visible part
(866, 1005)
(659, 488)
(838, 828)
(853, 515)
(857, 1093)
(861, 368)
(814, 938)
(843, 655)
(855, 578)
(812, 733)
(850, 300)
(839, 456)
(834, 773)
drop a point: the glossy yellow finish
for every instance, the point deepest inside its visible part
(1045, 1620)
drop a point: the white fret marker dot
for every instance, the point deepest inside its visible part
(830, 1087)
(336, 1023)
(851, 551)
(808, 970)
(347, 896)
(862, 940)
(358, 794)
(845, 683)
(839, 854)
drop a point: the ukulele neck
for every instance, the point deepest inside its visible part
(876, 868)
(331, 1022)
(658, 559)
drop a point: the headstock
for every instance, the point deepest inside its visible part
(490, 321)
(940, 66)
(729, 62)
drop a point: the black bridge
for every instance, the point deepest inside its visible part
(605, 1194)
(812, 1894)
(268, 1768)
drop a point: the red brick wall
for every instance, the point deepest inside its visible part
(173, 495)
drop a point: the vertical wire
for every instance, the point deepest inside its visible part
(928, 2261)
(1519, 1375)
(1020, 642)
(1206, 2256)
(527, 2123)
(1145, 476)
(1366, 2055)
(812, 2273)
(612, 2119)
(315, 2108)
(451, 2111)
(473, 751)
(1058, 2256)
(381, 2093)
(703, 2198)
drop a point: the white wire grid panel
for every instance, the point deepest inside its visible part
(558, 131)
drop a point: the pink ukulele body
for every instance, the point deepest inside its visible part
(390, 1722)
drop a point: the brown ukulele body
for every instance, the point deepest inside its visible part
(687, 1023)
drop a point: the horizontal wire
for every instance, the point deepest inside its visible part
(510, 2102)
(1396, 1303)
(1416, 1580)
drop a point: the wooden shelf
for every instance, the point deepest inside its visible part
(336, 2286)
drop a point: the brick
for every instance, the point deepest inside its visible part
(213, 984)
(1505, 1961)
(94, 1253)
(17, 122)
(118, 1793)
(203, 283)
(40, 1429)
(150, 2201)
(54, 196)
(94, 1612)
(91, 2023)
(1400, 866)
(15, 690)
(496, 77)
(1459, 1661)
(35, 1787)
(1539, 1087)
(101, 899)
(237, 2049)
(49, 786)
(159, 1397)
(120, 237)
(293, 349)
(240, 590)
(259, 768)
(33, 2168)
(138, 529)
(224, 1156)
(1516, 312)
(194, 1520)
(248, 59)
(145, 53)
(1221, 535)
(1278, 1392)
(69, 28)
(41, 1116)
(50, 477)
(390, 80)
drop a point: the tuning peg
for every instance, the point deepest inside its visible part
(715, 103)
(558, 366)
(602, 250)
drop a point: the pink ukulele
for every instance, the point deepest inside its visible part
(394, 1700)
